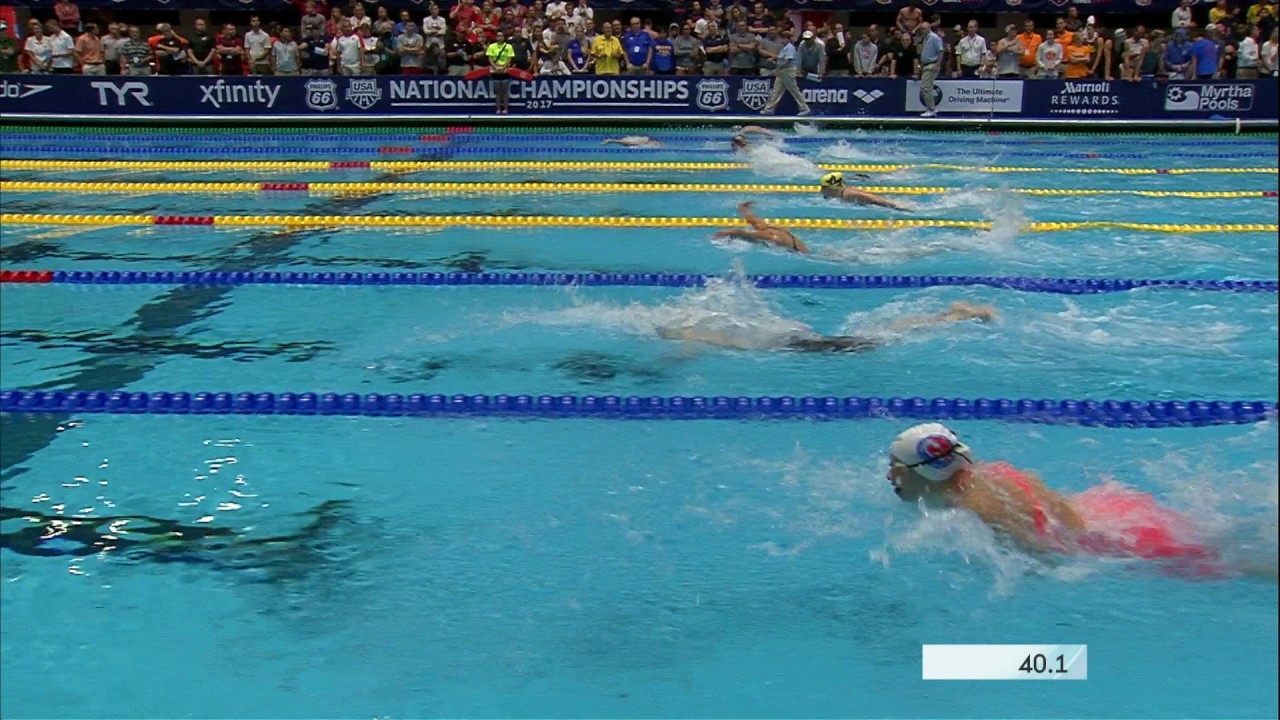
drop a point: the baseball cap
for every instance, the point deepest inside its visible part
(807, 34)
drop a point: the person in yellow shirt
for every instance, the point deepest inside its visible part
(606, 50)
(501, 54)
(1079, 58)
(1030, 40)
(1218, 11)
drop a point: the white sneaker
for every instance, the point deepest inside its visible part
(929, 113)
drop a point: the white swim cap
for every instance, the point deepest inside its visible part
(931, 450)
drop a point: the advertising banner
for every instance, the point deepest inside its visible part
(968, 96)
(593, 95)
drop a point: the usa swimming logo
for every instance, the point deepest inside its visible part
(755, 93)
(322, 95)
(937, 448)
(712, 95)
(364, 93)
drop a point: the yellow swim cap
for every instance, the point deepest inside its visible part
(833, 179)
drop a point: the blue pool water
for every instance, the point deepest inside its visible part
(402, 567)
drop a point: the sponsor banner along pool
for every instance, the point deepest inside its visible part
(594, 95)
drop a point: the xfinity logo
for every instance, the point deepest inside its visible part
(136, 90)
(17, 91)
(259, 93)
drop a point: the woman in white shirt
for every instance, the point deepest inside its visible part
(552, 66)
(583, 16)
(39, 51)
(1049, 57)
(1267, 58)
(557, 9)
(1247, 56)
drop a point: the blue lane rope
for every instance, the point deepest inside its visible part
(1109, 413)
(442, 153)
(1069, 286)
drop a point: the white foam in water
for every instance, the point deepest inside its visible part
(771, 162)
(807, 130)
(1137, 323)
(842, 150)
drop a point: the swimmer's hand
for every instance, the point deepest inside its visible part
(967, 311)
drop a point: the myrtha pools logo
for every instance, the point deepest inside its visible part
(1194, 98)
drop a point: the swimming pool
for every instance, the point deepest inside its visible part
(596, 567)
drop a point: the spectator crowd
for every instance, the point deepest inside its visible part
(558, 38)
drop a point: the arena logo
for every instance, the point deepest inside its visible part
(122, 92)
(712, 95)
(1085, 98)
(755, 93)
(222, 92)
(364, 93)
(868, 97)
(18, 91)
(321, 95)
(826, 96)
(1201, 98)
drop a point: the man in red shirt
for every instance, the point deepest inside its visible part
(68, 16)
(230, 51)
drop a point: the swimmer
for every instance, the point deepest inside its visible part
(810, 341)
(633, 141)
(740, 141)
(833, 187)
(762, 232)
(929, 463)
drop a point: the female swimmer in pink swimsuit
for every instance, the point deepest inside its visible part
(929, 462)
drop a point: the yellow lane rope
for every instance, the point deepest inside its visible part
(326, 188)
(615, 222)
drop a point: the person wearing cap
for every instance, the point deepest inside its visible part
(1177, 55)
(785, 79)
(930, 465)
(811, 56)
(8, 50)
(800, 338)
(1008, 53)
(832, 187)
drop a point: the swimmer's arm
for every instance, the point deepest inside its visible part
(701, 336)
(757, 130)
(957, 313)
(744, 209)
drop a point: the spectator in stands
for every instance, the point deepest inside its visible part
(1218, 12)
(837, 44)
(312, 24)
(1077, 58)
(386, 28)
(909, 19)
(637, 45)
(375, 51)
(62, 49)
(903, 58)
(200, 49)
(111, 43)
(135, 54)
(333, 27)
(347, 51)
(1204, 56)
(170, 50)
(742, 50)
(1228, 60)
(931, 55)
(1247, 51)
(1151, 65)
(811, 56)
(1030, 39)
(549, 65)
(257, 48)
(866, 56)
(768, 50)
(582, 16)
(1008, 53)
(1049, 57)
(715, 48)
(1269, 57)
(285, 57)
(1181, 15)
(577, 52)
(785, 74)
(68, 15)
(1061, 33)
(313, 51)
(39, 53)
(462, 15)
(1072, 21)
(606, 51)
(8, 50)
(433, 27)
(969, 51)
(1177, 55)
(664, 56)
(359, 17)
(687, 50)
(410, 47)
(1135, 47)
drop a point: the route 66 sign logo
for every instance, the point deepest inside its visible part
(713, 95)
(322, 94)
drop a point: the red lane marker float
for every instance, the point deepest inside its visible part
(1092, 155)
(1162, 172)
(395, 150)
(285, 187)
(349, 164)
(434, 138)
(184, 220)
(26, 276)
(1269, 193)
(461, 129)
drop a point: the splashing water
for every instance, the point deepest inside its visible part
(769, 161)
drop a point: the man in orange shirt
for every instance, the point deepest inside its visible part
(1030, 43)
(88, 51)
(1078, 57)
(1063, 33)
